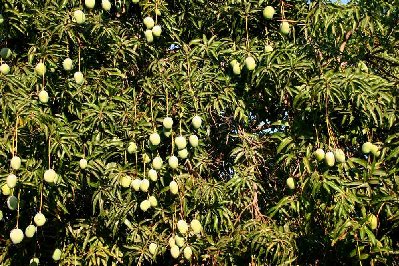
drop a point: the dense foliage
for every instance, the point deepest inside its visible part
(297, 158)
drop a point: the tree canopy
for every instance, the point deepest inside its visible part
(191, 132)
